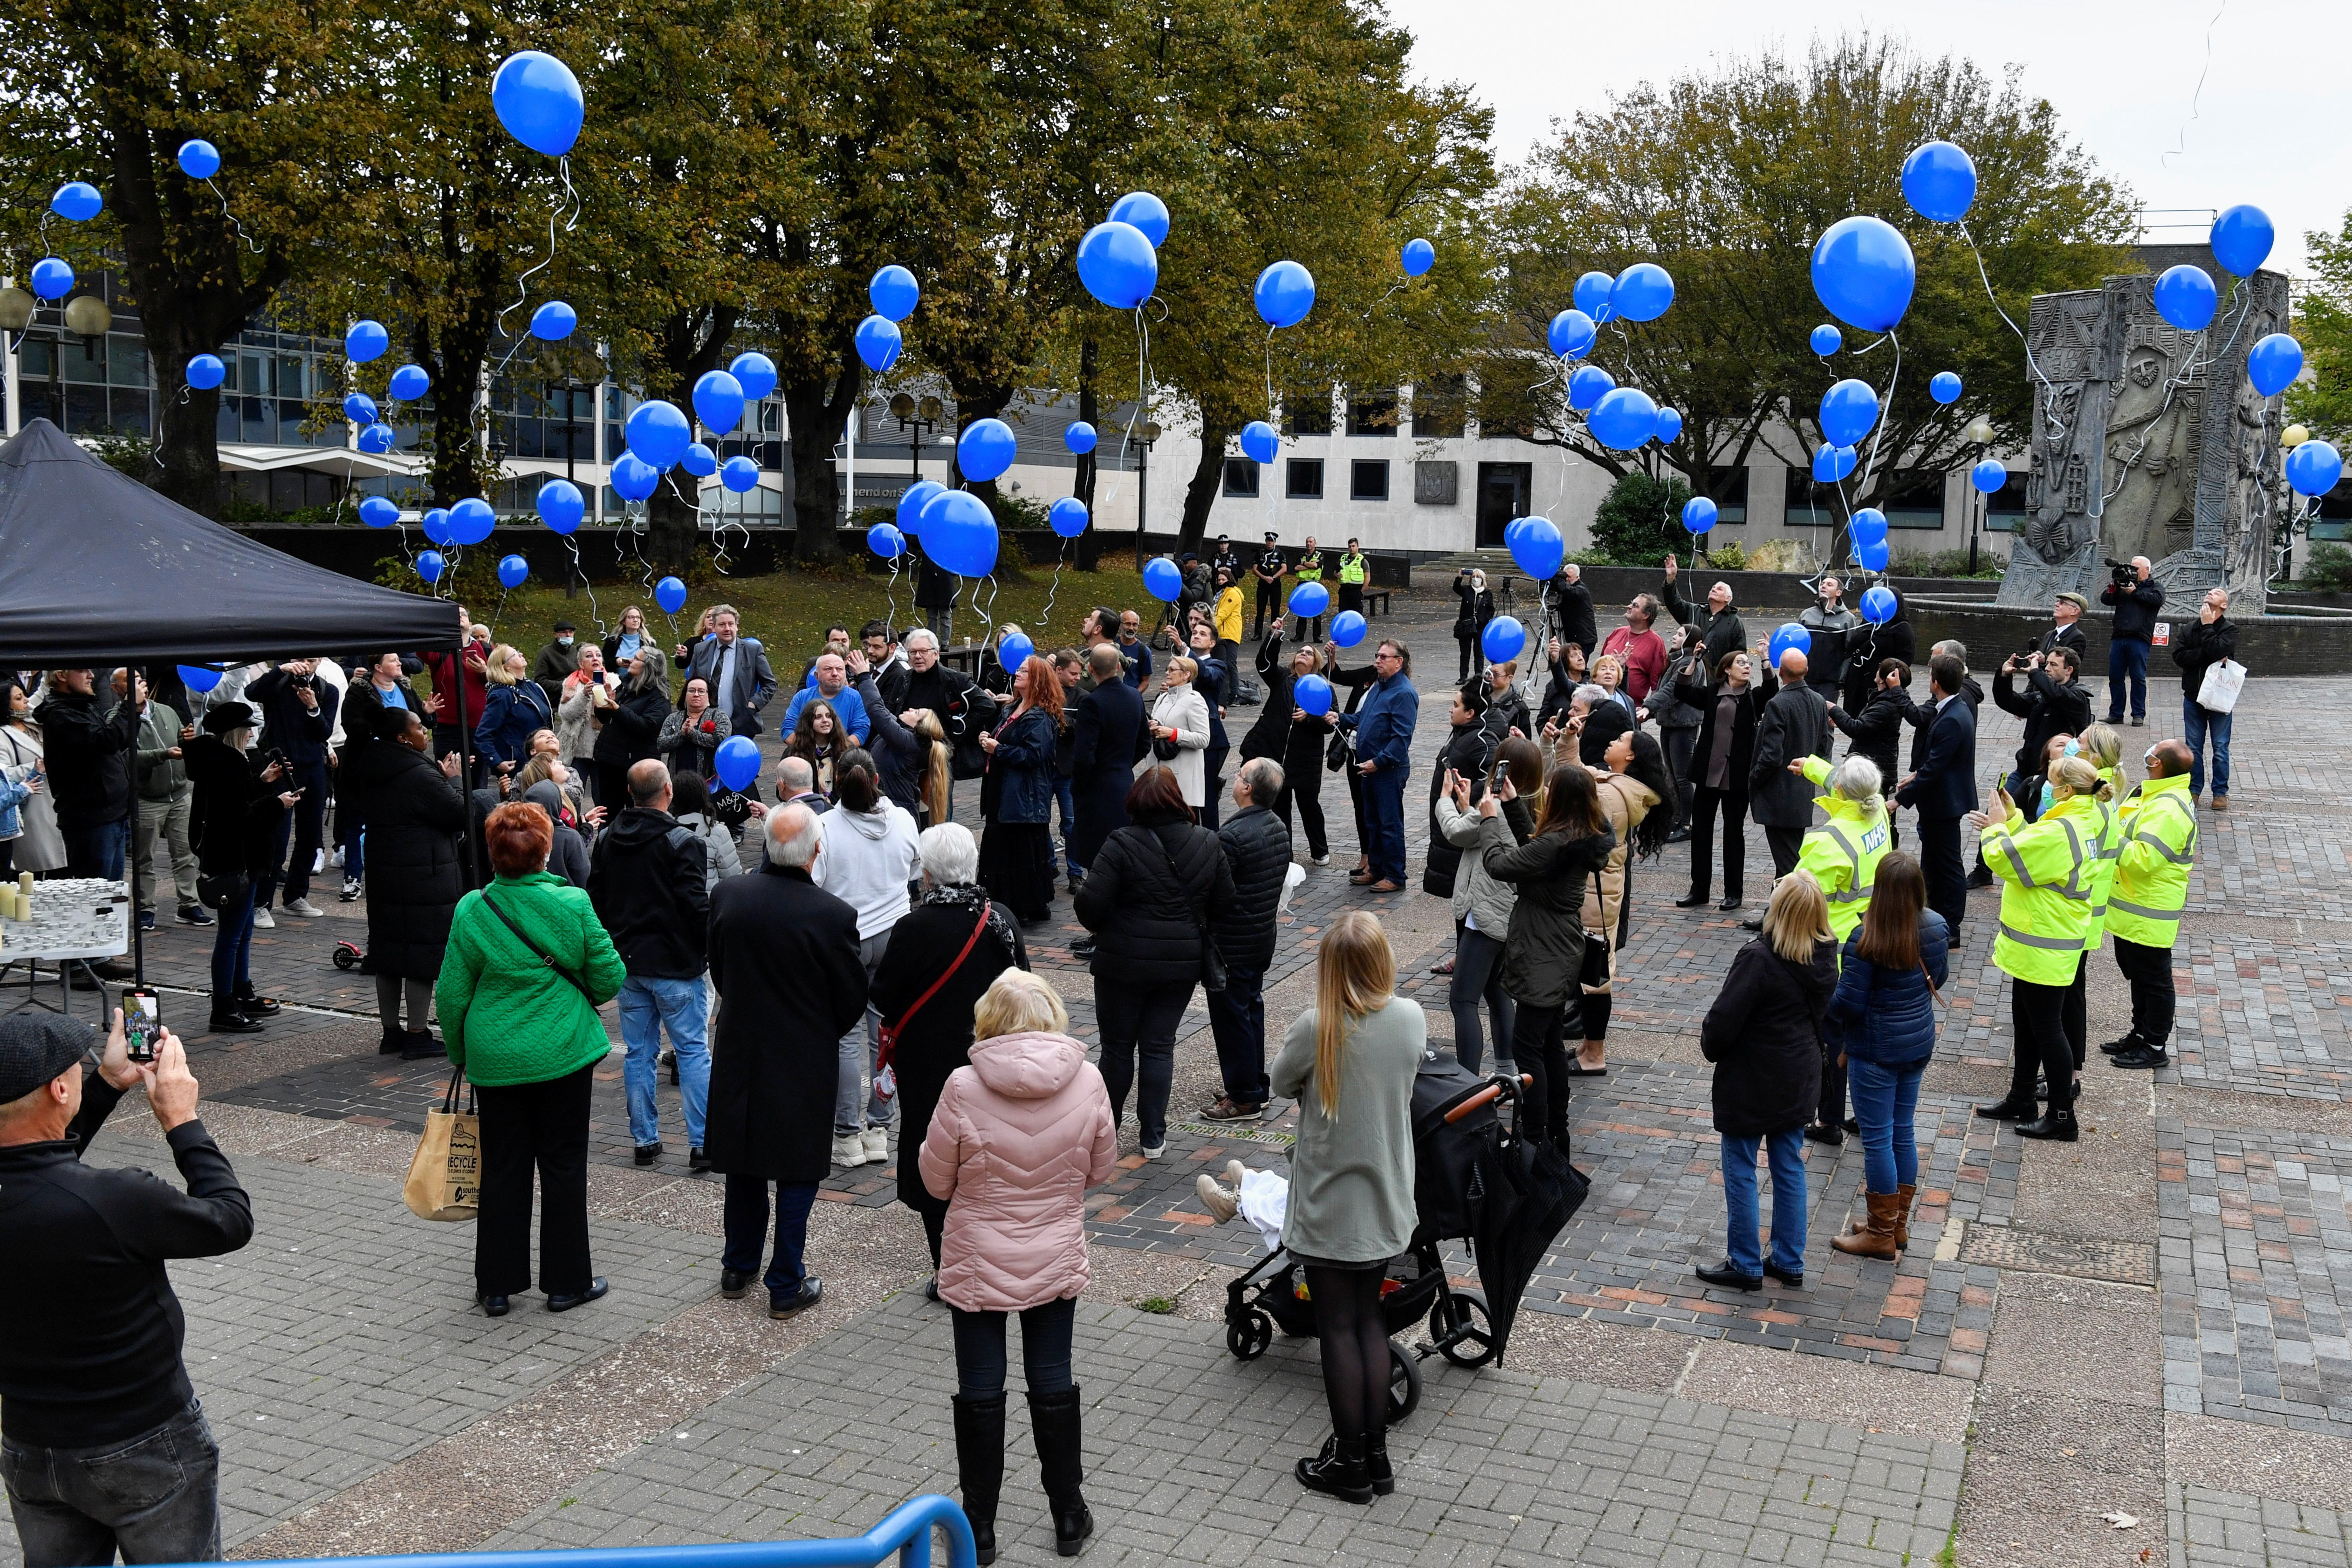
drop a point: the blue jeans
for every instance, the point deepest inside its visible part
(1069, 826)
(2126, 660)
(233, 946)
(747, 1230)
(97, 850)
(2196, 724)
(1884, 1100)
(1744, 1251)
(645, 1007)
(1384, 823)
(155, 1497)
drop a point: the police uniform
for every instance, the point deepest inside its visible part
(1269, 588)
(2158, 850)
(1355, 570)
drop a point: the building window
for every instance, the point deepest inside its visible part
(1914, 500)
(1729, 493)
(1307, 413)
(1368, 480)
(1240, 476)
(2334, 520)
(2005, 507)
(1306, 479)
(1441, 408)
(1372, 413)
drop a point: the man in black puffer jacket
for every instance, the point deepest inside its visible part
(645, 877)
(1258, 847)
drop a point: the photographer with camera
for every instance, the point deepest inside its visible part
(2053, 702)
(2136, 597)
(106, 1447)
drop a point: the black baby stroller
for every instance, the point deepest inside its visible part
(1475, 1180)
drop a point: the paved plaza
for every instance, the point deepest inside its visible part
(2137, 1348)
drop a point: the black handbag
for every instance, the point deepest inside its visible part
(220, 892)
(1595, 971)
(1340, 751)
(1213, 963)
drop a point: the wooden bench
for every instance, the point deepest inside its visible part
(1376, 602)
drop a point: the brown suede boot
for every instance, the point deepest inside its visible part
(1875, 1239)
(1903, 1196)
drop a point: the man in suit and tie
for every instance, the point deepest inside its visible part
(1943, 787)
(735, 667)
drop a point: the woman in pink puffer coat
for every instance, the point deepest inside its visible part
(1018, 1138)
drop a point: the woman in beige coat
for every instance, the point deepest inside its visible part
(1630, 787)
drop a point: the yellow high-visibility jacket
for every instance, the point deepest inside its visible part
(1842, 854)
(1355, 569)
(2046, 904)
(2160, 849)
(2100, 874)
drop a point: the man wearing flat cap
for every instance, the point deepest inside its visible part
(107, 1446)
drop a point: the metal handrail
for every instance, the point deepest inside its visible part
(906, 1530)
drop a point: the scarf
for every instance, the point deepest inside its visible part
(968, 897)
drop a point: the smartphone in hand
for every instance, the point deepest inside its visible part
(142, 1022)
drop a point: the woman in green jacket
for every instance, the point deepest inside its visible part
(527, 966)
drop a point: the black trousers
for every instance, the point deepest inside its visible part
(2149, 972)
(1468, 643)
(1733, 805)
(1269, 605)
(528, 1127)
(1538, 1046)
(1310, 801)
(2037, 1017)
(1679, 744)
(2076, 1013)
(1786, 844)
(1140, 1021)
(1947, 877)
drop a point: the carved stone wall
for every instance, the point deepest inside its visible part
(2148, 441)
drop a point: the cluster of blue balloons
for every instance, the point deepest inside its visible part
(1640, 293)
(468, 522)
(893, 294)
(1119, 259)
(1832, 463)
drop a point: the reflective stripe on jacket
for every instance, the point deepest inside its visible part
(2045, 904)
(1842, 854)
(2100, 874)
(2159, 848)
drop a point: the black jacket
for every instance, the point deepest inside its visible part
(1468, 752)
(287, 726)
(1257, 853)
(2134, 608)
(1946, 785)
(1149, 896)
(1869, 646)
(2048, 709)
(784, 956)
(1108, 726)
(1603, 725)
(630, 731)
(88, 756)
(1722, 630)
(2066, 637)
(1876, 732)
(1545, 951)
(1477, 608)
(1269, 732)
(1744, 709)
(1922, 716)
(965, 713)
(938, 1039)
(902, 755)
(91, 1336)
(1794, 725)
(647, 879)
(1764, 1035)
(2198, 647)
(233, 820)
(1571, 613)
(416, 859)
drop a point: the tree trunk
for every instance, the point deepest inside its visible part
(1200, 495)
(1083, 487)
(688, 346)
(817, 411)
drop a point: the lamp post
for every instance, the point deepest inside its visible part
(1150, 433)
(1979, 431)
(919, 419)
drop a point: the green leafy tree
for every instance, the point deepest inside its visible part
(1638, 522)
(2324, 325)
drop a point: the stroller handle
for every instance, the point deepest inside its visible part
(1486, 1096)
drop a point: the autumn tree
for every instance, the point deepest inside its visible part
(2324, 325)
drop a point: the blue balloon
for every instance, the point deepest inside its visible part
(1699, 514)
(1939, 180)
(1832, 463)
(878, 343)
(1418, 257)
(207, 371)
(359, 408)
(1872, 555)
(698, 460)
(718, 401)
(199, 159)
(365, 341)
(436, 523)
(1570, 334)
(1309, 600)
(471, 520)
(1503, 639)
(633, 478)
(657, 433)
(1537, 547)
(513, 571)
(198, 677)
(1592, 295)
(1162, 578)
(1878, 605)
(1790, 636)
(1863, 272)
(1311, 694)
(737, 762)
(1259, 441)
(2314, 467)
(430, 566)
(1067, 516)
(1117, 265)
(1348, 628)
(1642, 292)
(561, 505)
(410, 382)
(1013, 650)
(1146, 212)
(755, 373)
(894, 292)
(1989, 474)
(553, 321)
(739, 475)
(1623, 419)
(884, 540)
(379, 512)
(2273, 363)
(1079, 437)
(1670, 424)
(1285, 293)
(960, 534)
(538, 101)
(77, 200)
(2241, 240)
(1944, 387)
(376, 440)
(1868, 526)
(1827, 340)
(1848, 411)
(2186, 298)
(1587, 385)
(669, 593)
(984, 450)
(52, 277)
(910, 504)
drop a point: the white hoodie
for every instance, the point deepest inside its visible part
(867, 860)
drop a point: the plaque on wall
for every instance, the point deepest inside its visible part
(1435, 484)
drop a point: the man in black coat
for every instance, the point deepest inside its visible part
(1102, 755)
(648, 878)
(1944, 790)
(784, 956)
(2054, 703)
(1571, 603)
(1717, 621)
(2197, 648)
(2136, 605)
(965, 712)
(1794, 725)
(89, 760)
(1258, 847)
(298, 712)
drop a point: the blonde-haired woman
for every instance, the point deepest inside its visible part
(999, 1155)
(1180, 728)
(1350, 1061)
(516, 710)
(1764, 1035)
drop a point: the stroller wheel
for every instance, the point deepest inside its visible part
(1462, 1327)
(1248, 1337)
(1404, 1384)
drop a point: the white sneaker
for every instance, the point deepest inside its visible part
(318, 862)
(1220, 1204)
(350, 889)
(336, 860)
(303, 907)
(1322, 859)
(877, 1146)
(1153, 1151)
(848, 1151)
(261, 920)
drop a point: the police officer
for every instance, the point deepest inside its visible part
(1355, 570)
(2159, 848)
(1842, 854)
(1227, 560)
(1311, 569)
(1269, 572)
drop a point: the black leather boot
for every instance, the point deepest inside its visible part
(1376, 1459)
(1053, 1420)
(252, 1004)
(980, 1467)
(1339, 1471)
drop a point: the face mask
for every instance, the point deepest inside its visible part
(2071, 749)
(564, 642)
(2046, 801)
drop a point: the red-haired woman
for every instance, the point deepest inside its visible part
(1016, 794)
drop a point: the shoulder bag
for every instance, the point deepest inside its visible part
(886, 1076)
(445, 1175)
(1213, 963)
(1594, 974)
(544, 955)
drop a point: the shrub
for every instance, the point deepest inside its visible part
(2329, 567)
(1728, 555)
(1638, 522)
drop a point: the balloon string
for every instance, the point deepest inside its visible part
(2182, 149)
(2196, 364)
(1885, 402)
(1061, 554)
(233, 223)
(1269, 375)
(2050, 409)
(890, 596)
(579, 571)
(1135, 416)
(554, 210)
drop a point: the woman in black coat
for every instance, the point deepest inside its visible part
(1876, 729)
(1149, 894)
(1356, 683)
(1468, 751)
(1470, 620)
(416, 872)
(1868, 647)
(1210, 681)
(926, 945)
(630, 730)
(1728, 708)
(235, 818)
(1293, 738)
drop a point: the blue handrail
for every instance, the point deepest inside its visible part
(906, 1530)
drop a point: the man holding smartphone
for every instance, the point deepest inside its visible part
(107, 1446)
